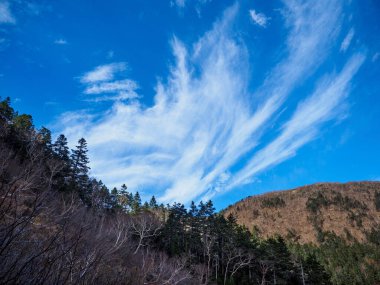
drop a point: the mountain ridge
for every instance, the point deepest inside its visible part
(350, 210)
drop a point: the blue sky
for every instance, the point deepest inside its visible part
(202, 99)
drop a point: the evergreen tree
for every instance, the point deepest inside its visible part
(146, 206)
(153, 203)
(174, 230)
(100, 195)
(194, 232)
(23, 122)
(80, 169)
(123, 198)
(44, 135)
(313, 271)
(193, 210)
(80, 161)
(114, 198)
(6, 111)
(136, 204)
(277, 254)
(123, 189)
(61, 149)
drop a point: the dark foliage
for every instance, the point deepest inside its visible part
(377, 201)
(275, 202)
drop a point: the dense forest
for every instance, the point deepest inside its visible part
(58, 225)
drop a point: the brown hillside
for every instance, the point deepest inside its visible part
(304, 214)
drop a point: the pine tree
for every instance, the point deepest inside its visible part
(209, 208)
(80, 161)
(44, 136)
(145, 206)
(153, 203)
(100, 195)
(23, 122)
(194, 229)
(61, 149)
(6, 111)
(174, 230)
(125, 198)
(115, 199)
(123, 189)
(136, 204)
(80, 169)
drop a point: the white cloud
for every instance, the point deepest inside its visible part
(347, 40)
(6, 16)
(321, 106)
(101, 81)
(60, 42)
(103, 72)
(258, 18)
(111, 87)
(203, 125)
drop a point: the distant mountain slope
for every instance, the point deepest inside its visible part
(307, 214)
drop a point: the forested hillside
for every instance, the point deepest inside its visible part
(58, 225)
(304, 214)
(339, 222)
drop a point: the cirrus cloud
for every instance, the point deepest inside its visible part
(258, 18)
(201, 136)
(6, 15)
(101, 81)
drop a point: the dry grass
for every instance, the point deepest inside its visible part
(295, 221)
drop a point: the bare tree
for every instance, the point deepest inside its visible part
(144, 226)
(236, 259)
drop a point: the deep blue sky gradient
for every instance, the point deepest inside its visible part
(43, 78)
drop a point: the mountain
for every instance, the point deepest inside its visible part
(306, 214)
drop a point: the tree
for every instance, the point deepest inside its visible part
(44, 136)
(194, 228)
(100, 195)
(145, 206)
(114, 198)
(144, 227)
(61, 149)
(125, 198)
(80, 169)
(136, 204)
(174, 231)
(23, 122)
(6, 111)
(153, 203)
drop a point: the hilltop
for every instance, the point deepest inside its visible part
(306, 214)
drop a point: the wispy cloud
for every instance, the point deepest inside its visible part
(347, 40)
(201, 134)
(6, 15)
(323, 105)
(103, 72)
(102, 82)
(258, 18)
(179, 3)
(183, 3)
(60, 42)
(375, 57)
